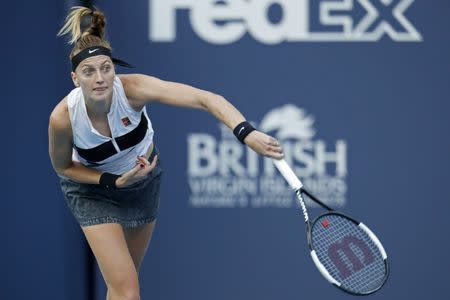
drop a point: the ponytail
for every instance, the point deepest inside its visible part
(86, 28)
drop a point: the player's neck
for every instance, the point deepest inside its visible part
(97, 108)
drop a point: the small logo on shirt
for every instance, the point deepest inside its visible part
(126, 121)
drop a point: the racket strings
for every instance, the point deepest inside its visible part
(348, 253)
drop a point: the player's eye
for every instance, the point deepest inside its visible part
(106, 68)
(88, 71)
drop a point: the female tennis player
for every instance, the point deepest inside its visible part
(101, 146)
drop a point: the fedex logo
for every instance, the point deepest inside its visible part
(227, 21)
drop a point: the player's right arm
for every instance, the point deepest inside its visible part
(60, 148)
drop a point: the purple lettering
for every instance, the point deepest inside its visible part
(343, 246)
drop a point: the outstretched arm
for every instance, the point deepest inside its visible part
(142, 89)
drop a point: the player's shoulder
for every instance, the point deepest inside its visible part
(130, 81)
(139, 87)
(59, 117)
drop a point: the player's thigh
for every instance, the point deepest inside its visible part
(138, 240)
(109, 246)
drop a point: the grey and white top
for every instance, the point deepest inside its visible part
(131, 131)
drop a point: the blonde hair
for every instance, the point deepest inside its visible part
(91, 35)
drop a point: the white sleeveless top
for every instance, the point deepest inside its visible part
(131, 131)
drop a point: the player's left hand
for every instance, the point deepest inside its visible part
(264, 144)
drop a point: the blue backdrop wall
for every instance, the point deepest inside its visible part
(356, 90)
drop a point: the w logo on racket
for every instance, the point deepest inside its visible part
(350, 255)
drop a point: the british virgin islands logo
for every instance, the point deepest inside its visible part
(221, 172)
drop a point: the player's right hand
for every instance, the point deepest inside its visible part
(142, 168)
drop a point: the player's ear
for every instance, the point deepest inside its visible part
(75, 79)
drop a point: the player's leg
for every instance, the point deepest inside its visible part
(138, 240)
(109, 246)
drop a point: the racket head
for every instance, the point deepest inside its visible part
(347, 253)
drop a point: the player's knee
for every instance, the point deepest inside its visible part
(125, 289)
(131, 294)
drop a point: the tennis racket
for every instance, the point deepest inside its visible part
(346, 252)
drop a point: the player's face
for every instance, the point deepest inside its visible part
(95, 76)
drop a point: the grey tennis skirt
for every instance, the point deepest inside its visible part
(132, 206)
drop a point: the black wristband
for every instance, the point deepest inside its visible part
(242, 130)
(108, 180)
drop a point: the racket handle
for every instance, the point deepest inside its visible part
(288, 174)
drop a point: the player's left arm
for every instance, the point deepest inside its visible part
(143, 89)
